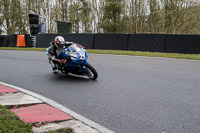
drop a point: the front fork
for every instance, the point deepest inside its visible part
(82, 67)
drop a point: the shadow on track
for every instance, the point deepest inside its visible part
(69, 78)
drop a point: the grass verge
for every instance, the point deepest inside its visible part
(23, 48)
(62, 130)
(10, 123)
(149, 54)
(121, 52)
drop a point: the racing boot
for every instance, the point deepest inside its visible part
(55, 70)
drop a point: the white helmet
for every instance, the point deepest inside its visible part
(59, 42)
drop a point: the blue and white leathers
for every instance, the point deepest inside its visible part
(76, 62)
(77, 55)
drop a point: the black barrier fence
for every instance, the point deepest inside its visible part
(147, 42)
(111, 41)
(11, 40)
(28, 41)
(189, 44)
(8, 41)
(43, 40)
(4, 41)
(136, 42)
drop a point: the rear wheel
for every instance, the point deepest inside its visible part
(91, 72)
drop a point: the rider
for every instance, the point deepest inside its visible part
(55, 49)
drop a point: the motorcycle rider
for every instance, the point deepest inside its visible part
(55, 49)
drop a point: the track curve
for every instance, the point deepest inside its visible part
(131, 94)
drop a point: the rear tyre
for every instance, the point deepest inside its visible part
(91, 72)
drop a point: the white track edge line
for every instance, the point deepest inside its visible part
(86, 121)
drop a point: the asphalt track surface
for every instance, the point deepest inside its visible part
(132, 94)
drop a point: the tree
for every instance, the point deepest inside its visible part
(1, 16)
(112, 16)
(105, 16)
(74, 15)
(10, 15)
(85, 14)
(180, 16)
(154, 17)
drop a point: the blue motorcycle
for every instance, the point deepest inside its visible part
(74, 60)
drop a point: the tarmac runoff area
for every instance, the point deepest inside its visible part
(43, 113)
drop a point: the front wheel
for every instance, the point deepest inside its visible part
(91, 72)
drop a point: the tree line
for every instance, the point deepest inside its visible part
(105, 16)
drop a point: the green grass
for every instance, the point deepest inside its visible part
(149, 54)
(22, 48)
(62, 130)
(10, 123)
(121, 52)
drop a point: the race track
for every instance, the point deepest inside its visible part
(131, 94)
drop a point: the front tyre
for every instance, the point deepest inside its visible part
(91, 72)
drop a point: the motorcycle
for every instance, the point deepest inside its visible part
(74, 60)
